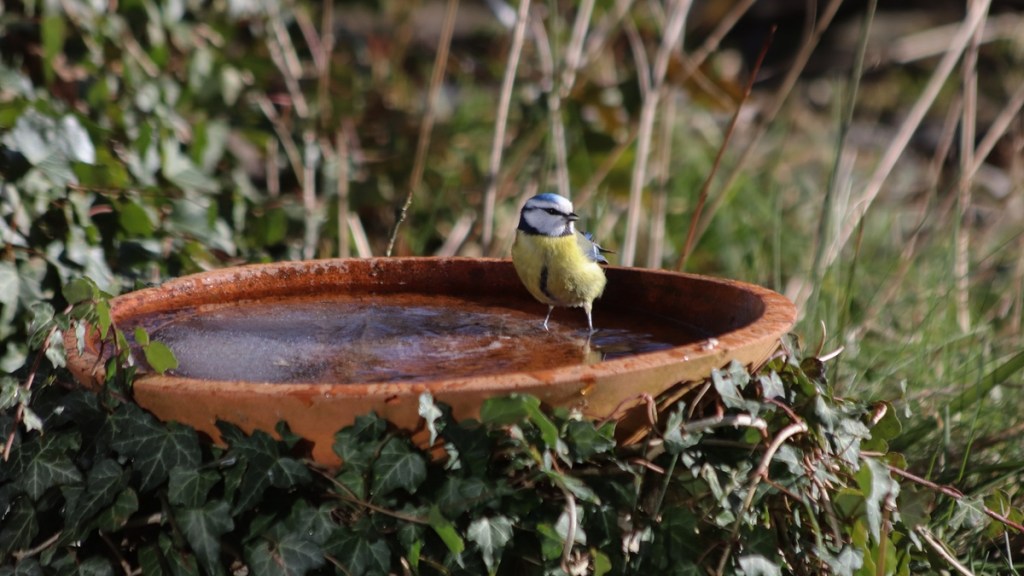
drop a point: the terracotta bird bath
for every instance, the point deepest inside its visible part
(317, 343)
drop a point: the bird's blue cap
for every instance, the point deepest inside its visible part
(549, 196)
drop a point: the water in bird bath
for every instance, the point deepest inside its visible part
(397, 337)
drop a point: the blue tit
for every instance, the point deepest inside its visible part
(558, 264)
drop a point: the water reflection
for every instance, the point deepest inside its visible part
(396, 337)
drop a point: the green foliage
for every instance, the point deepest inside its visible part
(773, 478)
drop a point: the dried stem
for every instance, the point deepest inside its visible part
(772, 110)
(27, 387)
(957, 45)
(691, 235)
(427, 125)
(997, 129)
(311, 159)
(968, 128)
(659, 209)
(671, 38)
(501, 122)
(283, 135)
(755, 479)
(342, 160)
(939, 549)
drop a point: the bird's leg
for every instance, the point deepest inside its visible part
(590, 321)
(550, 310)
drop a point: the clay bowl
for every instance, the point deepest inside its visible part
(317, 343)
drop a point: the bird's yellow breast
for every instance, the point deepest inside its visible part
(556, 271)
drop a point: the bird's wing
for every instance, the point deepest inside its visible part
(591, 248)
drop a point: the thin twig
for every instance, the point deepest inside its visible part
(755, 479)
(27, 387)
(427, 125)
(659, 211)
(570, 532)
(611, 18)
(348, 495)
(941, 551)
(546, 59)
(322, 59)
(671, 38)
(284, 56)
(657, 445)
(310, 160)
(283, 135)
(342, 159)
(826, 221)
(954, 494)
(691, 235)
(771, 111)
(913, 119)
(574, 52)
(20, 555)
(359, 236)
(501, 122)
(998, 128)
(457, 235)
(962, 231)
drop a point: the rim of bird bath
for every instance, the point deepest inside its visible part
(746, 322)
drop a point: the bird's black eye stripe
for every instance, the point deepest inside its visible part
(552, 211)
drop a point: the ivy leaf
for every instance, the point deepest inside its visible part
(398, 466)
(757, 565)
(260, 456)
(676, 440)
(728, 384)
(446, 530)
(490, 534)
(431, 414)
(117, 515)
(156, 448)
(970, 512)
(877, 485)
(203, 528)
(578, 487)
(151, 561)
(188, 487)
(472, 447)
(95, 566)
(288, 472)
(587, 440)
(20, 527)
(105, 481)
(10, 392)
(133, 219)
(513, 409)
(80, 290)
(772, 386)
(160, 357)
(181, 171)
(44, 463)
(360, 554)
(506, 410)
(293, 554)
(678, 532)
(551, 543)
(889, 426)
(103, 319)
(458, 495)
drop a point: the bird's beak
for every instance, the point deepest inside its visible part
(573, 217)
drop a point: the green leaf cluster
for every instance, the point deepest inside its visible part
(772, 476)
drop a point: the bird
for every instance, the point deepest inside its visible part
(559, 265)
